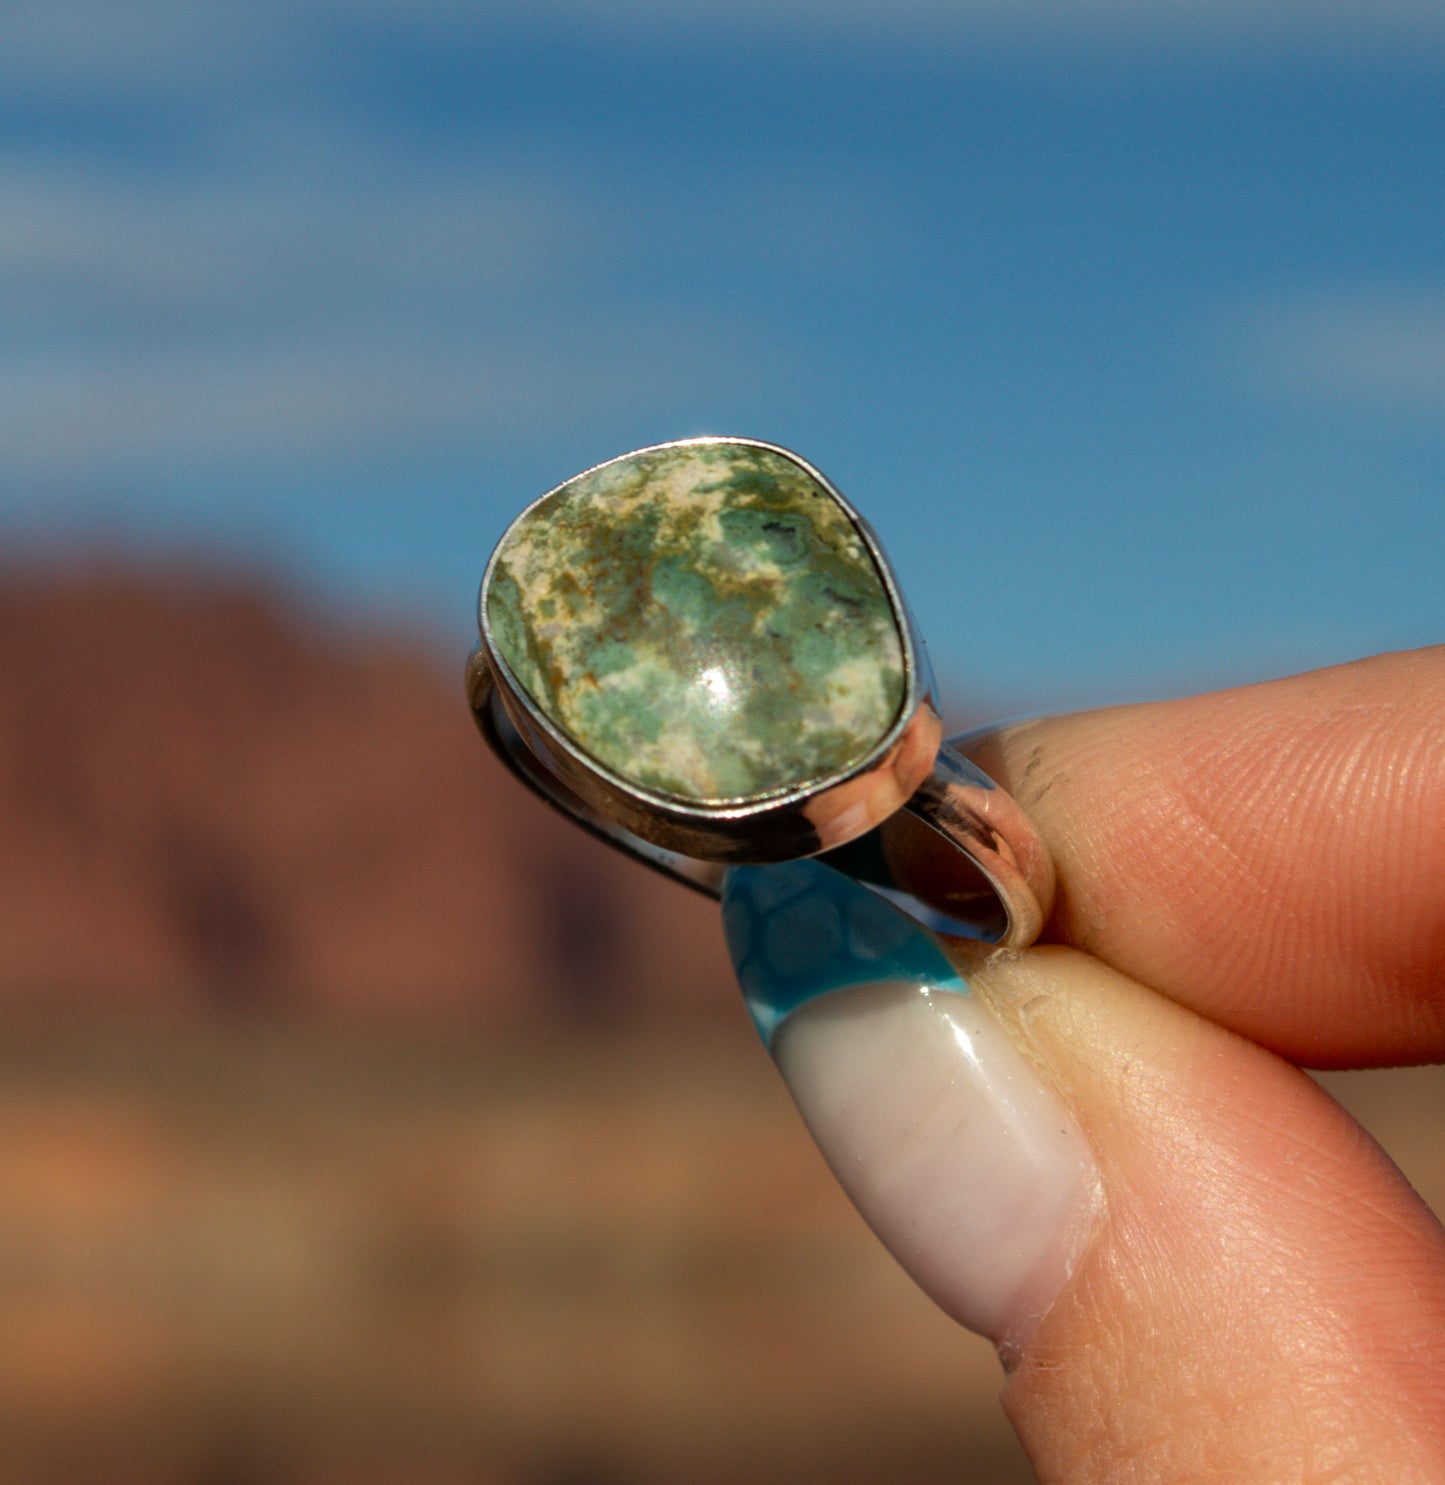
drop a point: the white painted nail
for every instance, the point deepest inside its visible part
(968, 1167)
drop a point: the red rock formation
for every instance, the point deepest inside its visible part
(210, 801)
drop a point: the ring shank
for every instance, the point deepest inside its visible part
(961, 846)
(964, 847)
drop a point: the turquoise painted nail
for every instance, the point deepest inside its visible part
(800, 929)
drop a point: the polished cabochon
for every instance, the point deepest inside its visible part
(702, 640)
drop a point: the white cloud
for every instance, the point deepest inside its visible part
(152, 47)
(86, 418)
(330, 296)
(90, 240)
(929, 20)
(1381, 348)
(190, 48)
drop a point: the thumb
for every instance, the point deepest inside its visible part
(1197, 1266)
(1263, 1297)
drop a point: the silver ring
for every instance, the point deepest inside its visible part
(699, 652)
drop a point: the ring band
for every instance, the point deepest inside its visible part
(699, 653)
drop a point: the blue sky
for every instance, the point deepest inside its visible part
(1123, 322)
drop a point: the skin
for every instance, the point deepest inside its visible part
(1248, 881)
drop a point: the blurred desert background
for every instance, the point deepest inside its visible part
(362, 1122)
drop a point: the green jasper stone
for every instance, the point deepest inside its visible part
(704, 619)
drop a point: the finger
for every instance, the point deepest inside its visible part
(1288, 836)
(1263, 1298)
(1198, 1266)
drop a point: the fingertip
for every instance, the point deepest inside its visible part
(1268, 856)
(1262, 1289)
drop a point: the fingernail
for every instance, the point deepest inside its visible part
(969, 1168)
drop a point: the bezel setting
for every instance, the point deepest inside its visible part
(800, 819)
(909, 814)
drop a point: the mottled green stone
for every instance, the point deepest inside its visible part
(704, 619)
